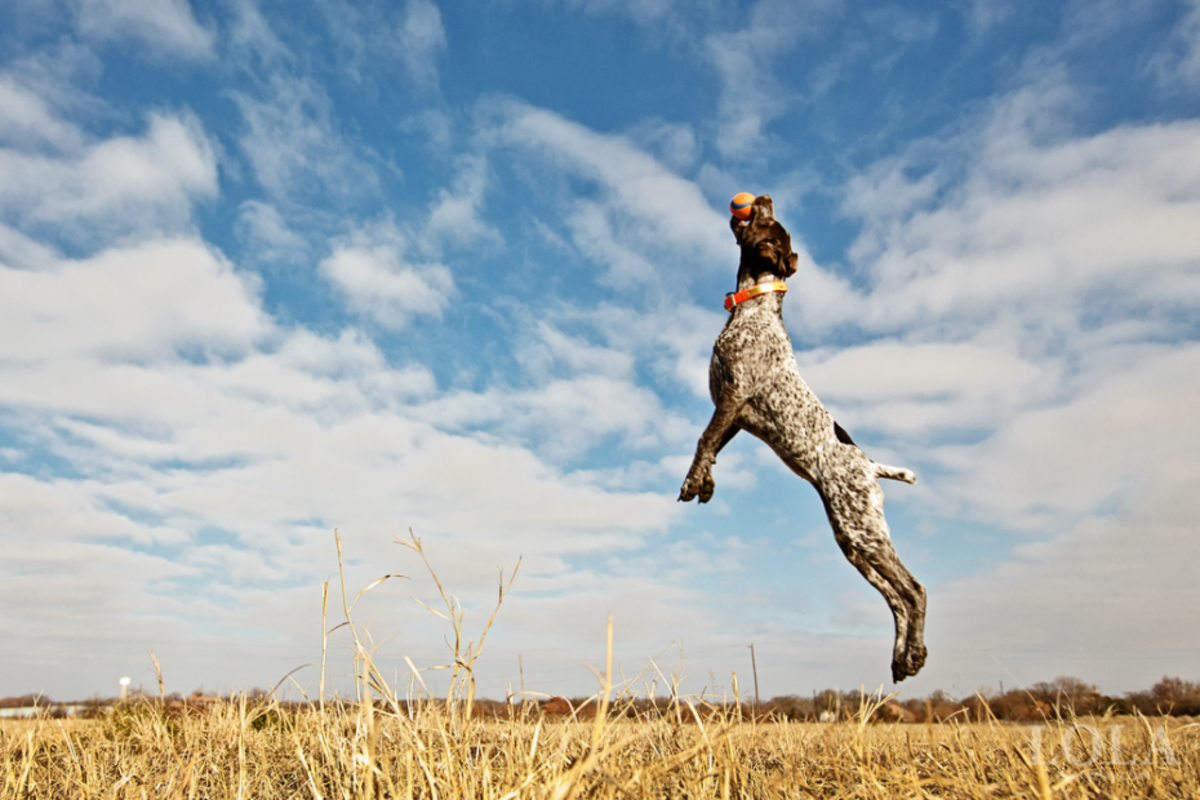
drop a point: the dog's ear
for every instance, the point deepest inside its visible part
(790, 265)
(787, 261)
(765, 206)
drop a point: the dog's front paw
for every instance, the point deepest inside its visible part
(699, 483)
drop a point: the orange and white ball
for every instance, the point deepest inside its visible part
(741, 204)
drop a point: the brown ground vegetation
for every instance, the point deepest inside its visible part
(266, 750)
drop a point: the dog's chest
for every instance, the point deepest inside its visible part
(755, 341)
(751, 353)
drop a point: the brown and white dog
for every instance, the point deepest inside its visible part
(756, 386)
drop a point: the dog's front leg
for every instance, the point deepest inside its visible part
(721, 428)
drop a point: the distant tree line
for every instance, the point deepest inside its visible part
(1062, 698)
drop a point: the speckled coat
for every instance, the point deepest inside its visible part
(756, 387)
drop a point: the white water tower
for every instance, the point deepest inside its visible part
(124, 687)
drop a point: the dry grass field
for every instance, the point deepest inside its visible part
(241, 749)
(442, 748)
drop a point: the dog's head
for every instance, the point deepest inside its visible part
(766, 244)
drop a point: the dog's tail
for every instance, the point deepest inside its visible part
(894, 473)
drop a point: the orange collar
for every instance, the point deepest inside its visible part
(733, 298)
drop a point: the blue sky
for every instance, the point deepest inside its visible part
(272, 269)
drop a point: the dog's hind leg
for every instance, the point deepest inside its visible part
(854, 504)
(881, 470)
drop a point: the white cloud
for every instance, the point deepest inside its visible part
(236, 464)
(674, 339)
(825, 300)
(370, 271)
(294, 146)
(189, 414)
(370, 34)
(273, 478)
(1189, 33)
(141, 302)
(166, 28)
(29, 122)
(598, 236)
(550, 346)
(563, 418)
(420, 39)
(571, 395)
(751, 95)
(1064, 229)
(985, 14)
(124, 183)
(674, 144)
(64, 509)
(251, 35)
(917, 390)
(433, 128)
(648, 222)
(1106, 600)
(21, 252)
(1178, 64)
(64, 546)
(267, 234)
(454, 220)
(1129, 428)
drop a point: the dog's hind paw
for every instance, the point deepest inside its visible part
(911, 664)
